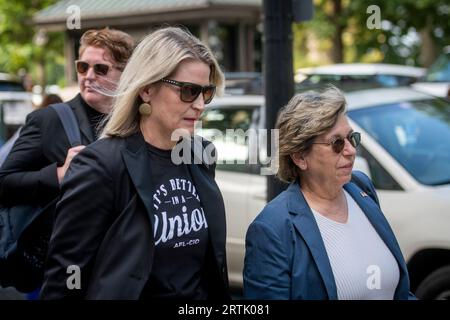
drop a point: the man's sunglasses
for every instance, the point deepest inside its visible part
(190, 91)
(100, 69)
(338, 144)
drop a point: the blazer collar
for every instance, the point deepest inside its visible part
(136, 159)
(78, 104)
(137, 162)
(305, 223)
(378, 221)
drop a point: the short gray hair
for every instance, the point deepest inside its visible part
(306, 116)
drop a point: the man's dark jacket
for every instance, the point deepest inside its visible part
(28, 175)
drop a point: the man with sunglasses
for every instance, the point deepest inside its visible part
(325, 237)
(39, 159)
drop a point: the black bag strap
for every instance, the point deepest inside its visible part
(69, 122)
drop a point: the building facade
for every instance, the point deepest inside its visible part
(231, 28)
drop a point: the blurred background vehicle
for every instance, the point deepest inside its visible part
(405, 149)
(437, 79)
(346, 76)
(354, 76)
(243, 83)
(15, 104)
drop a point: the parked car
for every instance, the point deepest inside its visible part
(15, 104)
(437, 79)
(405, 149)
(354, 76)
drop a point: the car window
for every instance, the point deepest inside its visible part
(440, 70)
(415, 133)
(228, 128)
(227, 118)
(387, 80)
(11, 86)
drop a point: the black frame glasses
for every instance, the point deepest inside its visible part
(338, 143)
(100, 69)
(189, 92)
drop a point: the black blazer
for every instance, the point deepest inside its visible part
(28, 175)
(104, 221)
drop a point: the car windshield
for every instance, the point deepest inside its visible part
(415, 133)
(228, 128)
(440, 70)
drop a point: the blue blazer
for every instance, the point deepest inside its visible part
(285, 254)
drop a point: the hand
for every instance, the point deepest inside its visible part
(72, 152)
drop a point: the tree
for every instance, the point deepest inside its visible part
(328, 25)
(20, 50)
(411, 32)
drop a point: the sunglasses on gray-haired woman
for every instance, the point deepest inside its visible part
(338, 143)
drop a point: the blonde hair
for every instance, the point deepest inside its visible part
(306, 116)
(156, 57)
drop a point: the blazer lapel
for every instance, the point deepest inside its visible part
(77, 106)
(378, 221)
(137, 162)
(211, 199)
(305, 223)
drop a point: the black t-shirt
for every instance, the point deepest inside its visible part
(180, 232)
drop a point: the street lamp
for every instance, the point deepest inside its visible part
(278, 70)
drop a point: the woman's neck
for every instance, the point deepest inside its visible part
(156, 137)
(320, 191)
(326, 199)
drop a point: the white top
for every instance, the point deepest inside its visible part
(362, 265)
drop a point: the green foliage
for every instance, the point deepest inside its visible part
(17, 33)
(404, 23)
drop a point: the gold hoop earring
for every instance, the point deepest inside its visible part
(145, 109)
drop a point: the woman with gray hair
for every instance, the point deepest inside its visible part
(325, 237)
(133, 223)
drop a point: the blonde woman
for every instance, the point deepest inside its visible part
(325, 237)
(137, 224)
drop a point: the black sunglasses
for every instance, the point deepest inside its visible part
(338, 144)
(99, 68)
(190, 91)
